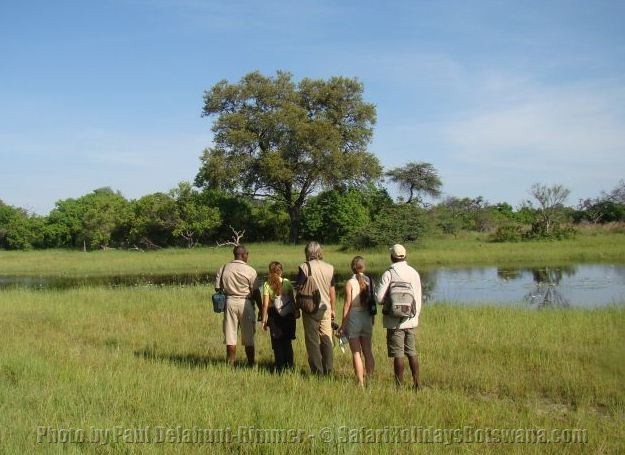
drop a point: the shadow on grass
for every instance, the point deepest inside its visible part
(191, 360)
(198, 361)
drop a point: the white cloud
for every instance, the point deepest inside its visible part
(511, 132)
(564, 129)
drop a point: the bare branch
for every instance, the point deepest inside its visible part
(236, 238)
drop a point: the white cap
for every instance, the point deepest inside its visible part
(398, 251)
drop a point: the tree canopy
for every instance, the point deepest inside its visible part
(284, 140)
(419, 179)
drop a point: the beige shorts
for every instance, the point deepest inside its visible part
(239, 313)
(401, 342)
(359, 323)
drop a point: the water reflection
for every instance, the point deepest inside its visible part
(546, 292)
(584, 285)
(546, 279)
(142, 280)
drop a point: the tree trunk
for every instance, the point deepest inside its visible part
(295, 216)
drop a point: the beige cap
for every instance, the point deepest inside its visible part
(398, 251)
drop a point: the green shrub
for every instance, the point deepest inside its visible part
(396, 224)
(553, 231)
(508, 233)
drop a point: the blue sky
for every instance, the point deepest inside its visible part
(497, 95)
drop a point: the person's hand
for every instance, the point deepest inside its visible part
(333, 313)
(265, 325)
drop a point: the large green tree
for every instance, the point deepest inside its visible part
(419, 179)
(334, 214)
(154, 220)
(93, 221)
(19, 230)
(279, 139)
(195, 219)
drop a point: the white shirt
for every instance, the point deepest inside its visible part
(410, 275)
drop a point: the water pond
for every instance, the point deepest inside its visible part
(587, 285)
(583, 285)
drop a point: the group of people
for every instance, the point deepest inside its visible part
(278, 312)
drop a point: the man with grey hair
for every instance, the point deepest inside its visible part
(238, 280)
(400, 332)
(318, 325)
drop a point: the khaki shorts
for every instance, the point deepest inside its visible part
(359, 323)
(400, 342)
(239, 312)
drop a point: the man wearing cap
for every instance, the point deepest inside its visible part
(238, 281)
(400, 332)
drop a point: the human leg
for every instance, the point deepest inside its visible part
(248, 329)
(367, 352)
(355, 347)
(410, 348)
(230, 328)
(312, 342)
(288, 354)
(326, 345)
(398, 368)
(231, 354)
(289, 336)
(284, 354)
(395, 345)
(413, 361)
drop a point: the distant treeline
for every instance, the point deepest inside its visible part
(360, 217)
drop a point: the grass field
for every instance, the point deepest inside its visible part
(136, 369)
(470, 250)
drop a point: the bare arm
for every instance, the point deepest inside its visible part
(332, 301)
(265, 310)
(348, 303)
(218, 279)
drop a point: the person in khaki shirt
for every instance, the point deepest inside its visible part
(238, 280)
(318, 326)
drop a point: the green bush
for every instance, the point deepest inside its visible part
(553, 231)
(396, 224)
(508, 233)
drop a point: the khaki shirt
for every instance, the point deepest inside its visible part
(324, 274)
(239, 279)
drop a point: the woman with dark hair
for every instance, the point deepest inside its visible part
(279, 315)
(357, 324)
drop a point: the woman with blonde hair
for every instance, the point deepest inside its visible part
(357, 323)
(278, 314)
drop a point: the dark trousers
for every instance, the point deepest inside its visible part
(283, 352)
(282, 330)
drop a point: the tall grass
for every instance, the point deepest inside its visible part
(134, 358)
(469, 250)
